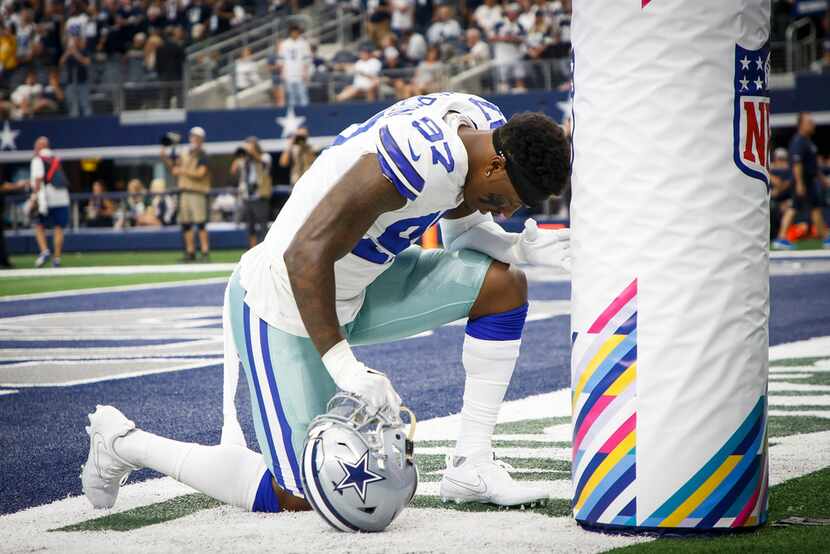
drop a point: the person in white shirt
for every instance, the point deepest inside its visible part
(366, 78)
(487, 15)
(507, 40)
(478, 51)
(295, 59)
(445, 28)
(414, 46)
(246, 70)
(403, 16)
(51, 195)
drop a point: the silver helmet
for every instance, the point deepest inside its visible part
(358, 465)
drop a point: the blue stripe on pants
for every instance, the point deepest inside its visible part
(275, 393)
(246, 322)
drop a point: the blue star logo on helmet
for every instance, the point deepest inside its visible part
(357, 476)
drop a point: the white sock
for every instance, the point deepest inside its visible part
(489, 365)
(227, 472)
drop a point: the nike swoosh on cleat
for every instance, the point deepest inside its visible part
(412, 152)
(478, 488)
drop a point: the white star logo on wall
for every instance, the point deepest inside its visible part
(8, 137)
(290, 122)
(565, 108)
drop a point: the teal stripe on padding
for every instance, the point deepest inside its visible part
(726, 485)
(713, 464)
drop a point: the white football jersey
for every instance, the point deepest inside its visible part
(418, 149)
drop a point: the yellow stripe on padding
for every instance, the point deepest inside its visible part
(701, 493)
(607, 347)
(623, 448)
(622, 381)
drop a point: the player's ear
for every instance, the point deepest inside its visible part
(495, 166)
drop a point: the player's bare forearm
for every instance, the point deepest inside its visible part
(331, 231)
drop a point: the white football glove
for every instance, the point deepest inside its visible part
(353, 376)
(545, 247)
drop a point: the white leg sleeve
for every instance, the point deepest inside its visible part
(489, 365)
(228, 472)
(231, 431)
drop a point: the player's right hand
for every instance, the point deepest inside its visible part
(353, 376)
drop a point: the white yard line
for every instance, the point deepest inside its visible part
(797, 387)
(798, 455)
(799, 400)
(815, 347)
(799, 413)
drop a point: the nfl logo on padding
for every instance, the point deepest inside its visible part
(751, 119)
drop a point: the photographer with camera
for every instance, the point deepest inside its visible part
(190, 167)
(253, 167)
(298, 154)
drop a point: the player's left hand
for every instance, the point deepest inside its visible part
(545, 247)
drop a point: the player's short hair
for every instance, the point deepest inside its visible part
(537, 153)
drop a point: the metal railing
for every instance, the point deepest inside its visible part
(801, 49)
(210, 71)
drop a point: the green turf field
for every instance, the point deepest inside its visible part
(10, 286)
(90, 259)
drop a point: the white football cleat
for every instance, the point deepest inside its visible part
(104, 471)
(485, 480)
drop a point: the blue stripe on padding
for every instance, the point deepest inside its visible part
(392, 176)
(319, 490)
(266, 498)
(263, 416)
(504, 326)
(397, 157)
(275, 393)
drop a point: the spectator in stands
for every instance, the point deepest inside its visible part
(295, 63)
(478, 51)
(100, 210)
(170, 56)
(76, 61)
(29, 98)
(366, 72)
(395, 68)
(50, 32)
(377, 22)
(54, 92)
(8, 52)
(429, 75)
(6, 188)
(507, 40)
(190, 166)
(198, 15)
(275, 66)
(163, 206)
(245, 70)
(487, 15)
(136, 211)
(26, 37)
(135, 60)
(781, 181)
(50, 193)
(539, 40)
(444, 29)
(224, 13)
(253, 168)
(809, 184)
(298, 155)
(423, 16)
(413, 46)
(403, 16)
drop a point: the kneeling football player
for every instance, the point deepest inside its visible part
(338, 268)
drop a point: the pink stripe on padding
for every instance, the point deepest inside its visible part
(601, 403)
(625, 429)
(744, 515)
(612, 310)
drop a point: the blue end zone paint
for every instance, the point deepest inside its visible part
(42, 429)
